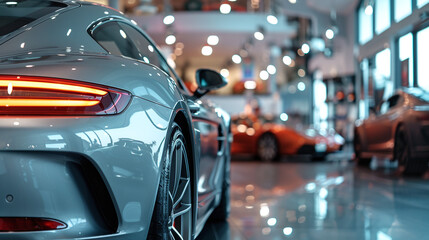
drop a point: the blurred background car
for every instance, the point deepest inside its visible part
(399, 130)
(267, 137)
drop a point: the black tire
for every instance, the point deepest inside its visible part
(221, 212)
(319, 158)
(361, 161)
(406, 164)
(268, 147)
(172, 216)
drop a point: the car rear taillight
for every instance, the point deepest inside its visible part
(25, 95)
(23, 224)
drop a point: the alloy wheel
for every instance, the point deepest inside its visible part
(180, 219)
(267, 147)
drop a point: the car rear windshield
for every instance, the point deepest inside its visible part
(17, 13)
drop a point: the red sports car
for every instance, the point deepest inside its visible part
(268, 138)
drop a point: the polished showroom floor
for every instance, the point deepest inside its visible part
(299, 199)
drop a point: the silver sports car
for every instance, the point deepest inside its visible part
(99, 137)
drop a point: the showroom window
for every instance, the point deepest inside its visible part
(421, 3)
(382, 65)
(383, 87)
(423, 58)
(382, 15)
(406, 56)
(403, 8)
(365, 26)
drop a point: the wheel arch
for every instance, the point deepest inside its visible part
(183, 118)
(395, 133)
(269, 132)
(359, 134)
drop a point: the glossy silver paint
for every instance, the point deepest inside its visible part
(38, 154)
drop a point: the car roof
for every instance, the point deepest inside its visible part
(415, 92)
(60, 31)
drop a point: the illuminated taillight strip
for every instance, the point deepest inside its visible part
(34, 95)
(47, 103)
(51, 86)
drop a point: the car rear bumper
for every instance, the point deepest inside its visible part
(99, 175)
(61, 186)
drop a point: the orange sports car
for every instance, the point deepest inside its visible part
(268, 138)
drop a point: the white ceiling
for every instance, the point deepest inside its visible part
(235, 29)
(340, 6)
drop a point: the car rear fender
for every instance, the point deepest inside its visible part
(182, 116)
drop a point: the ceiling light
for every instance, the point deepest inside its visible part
(207, 50)
(271, 69)
(224, 72)
(264, 75)
(180, 45)
(244, 53)
(213, 40)
(272, 221)
(329, 34)
(178, 51)
(259, 35)
(169, 19)
(225, 8)
(292, 1)
(284, 117)
(305, 48)
(301, 72)
(236, 58)
(287, 60)
(369, 10)
(287, 231)
(250, 84)
(170, 39)
(369, 7)
(301, 85)
(272, 19)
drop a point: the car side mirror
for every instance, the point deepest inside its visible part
(208, 80)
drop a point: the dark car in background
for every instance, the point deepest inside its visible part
(399, 130)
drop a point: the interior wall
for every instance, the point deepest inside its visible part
(342, 61)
